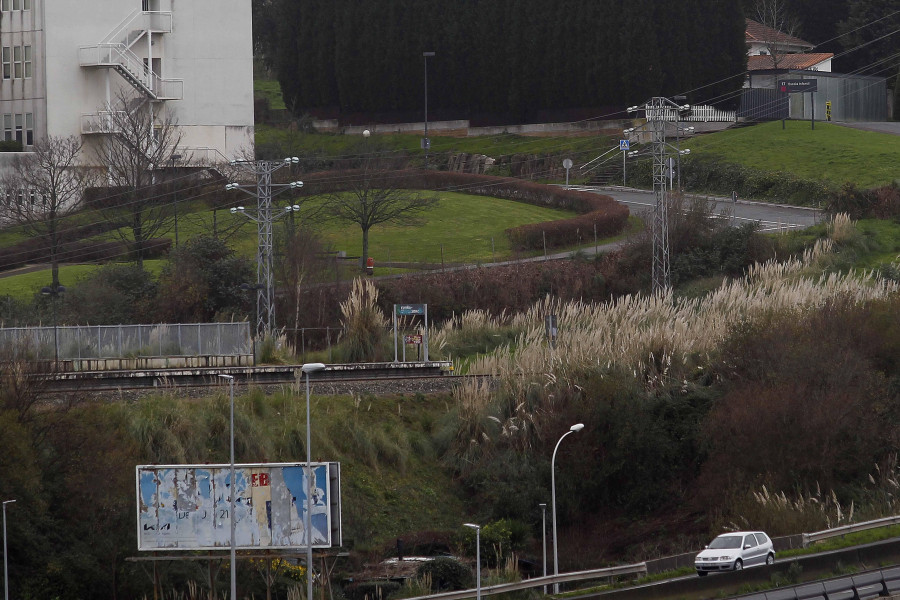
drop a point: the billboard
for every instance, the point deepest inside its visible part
(188, 507)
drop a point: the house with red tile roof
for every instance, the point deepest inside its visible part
(768, 48)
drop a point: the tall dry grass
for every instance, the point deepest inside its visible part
(365, 326)
(658, 339)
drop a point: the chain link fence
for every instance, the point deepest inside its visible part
(127, 341)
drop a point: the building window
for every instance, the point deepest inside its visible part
(20, 121)
(7, 63)
(27, 62)
(17, 4)
(7, 127)
(17, 62)
(26, 5)
(29, 129)
(5, 5)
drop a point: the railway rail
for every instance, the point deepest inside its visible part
(148, 379)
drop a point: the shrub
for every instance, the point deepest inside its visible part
(11, 146)
(447, 574)
(371, 590)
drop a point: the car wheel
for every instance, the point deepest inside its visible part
(770, 559)
(702, 573)
(738, 565)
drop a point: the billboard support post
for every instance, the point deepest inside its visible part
(232, 490)
(309, 368)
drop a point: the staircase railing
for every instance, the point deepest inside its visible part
(119, 56)
(141, 21)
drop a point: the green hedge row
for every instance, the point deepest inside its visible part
(595, 210)
(713, 174)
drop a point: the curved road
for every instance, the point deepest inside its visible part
(772, 217)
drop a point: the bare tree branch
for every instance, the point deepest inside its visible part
(140, 143)
(43, 187)
(373, 200)
(775, 15)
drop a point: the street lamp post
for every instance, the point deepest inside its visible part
(477, 529)
(572, 429)
(5, 566)
(543, 506)
(426, 144)
(231, 494)
(53, 292)
(307, 369)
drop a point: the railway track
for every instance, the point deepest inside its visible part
(150, 379)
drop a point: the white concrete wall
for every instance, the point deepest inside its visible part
(20, 96)
(209, 48)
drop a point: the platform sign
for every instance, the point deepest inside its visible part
(413, 339)
(410, 309)
(187, 507)
(791, 86)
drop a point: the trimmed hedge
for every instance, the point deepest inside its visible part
(708, 173)
(598, 210)
(34, 250)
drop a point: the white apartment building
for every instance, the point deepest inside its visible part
(64, 62)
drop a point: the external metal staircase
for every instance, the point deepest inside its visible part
(115, 52)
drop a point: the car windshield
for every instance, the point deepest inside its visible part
(726, 541)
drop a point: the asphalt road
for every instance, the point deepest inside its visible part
(772, 217)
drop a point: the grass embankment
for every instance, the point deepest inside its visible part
(838, 154)
(460, 229)
(335, 145)
(392, 483)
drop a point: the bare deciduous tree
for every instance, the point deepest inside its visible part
(43, 187)
(775, 15)
(140, 143)
(373, 199)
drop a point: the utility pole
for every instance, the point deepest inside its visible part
(658, 112)
(262, 170)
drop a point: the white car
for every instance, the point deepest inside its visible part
(734, 551)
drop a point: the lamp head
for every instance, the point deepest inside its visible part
(312, 367)
(231, 377)
(472, 525)
(366, 133)
(577, 427)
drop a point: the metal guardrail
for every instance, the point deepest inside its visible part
(635, 569)
(809, 538)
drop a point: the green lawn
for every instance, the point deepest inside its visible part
(829, 151)
(335, 144)
(469, 229)
(269, 88)
(25, 286)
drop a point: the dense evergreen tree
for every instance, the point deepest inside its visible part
(509, 58)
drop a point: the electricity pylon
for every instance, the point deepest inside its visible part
(658, 112)
(265, 291)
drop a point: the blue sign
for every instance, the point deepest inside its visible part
(624, 145)
(411, 309)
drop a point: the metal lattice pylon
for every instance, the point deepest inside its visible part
(659, 112)
(656, 117)
(265, 285)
